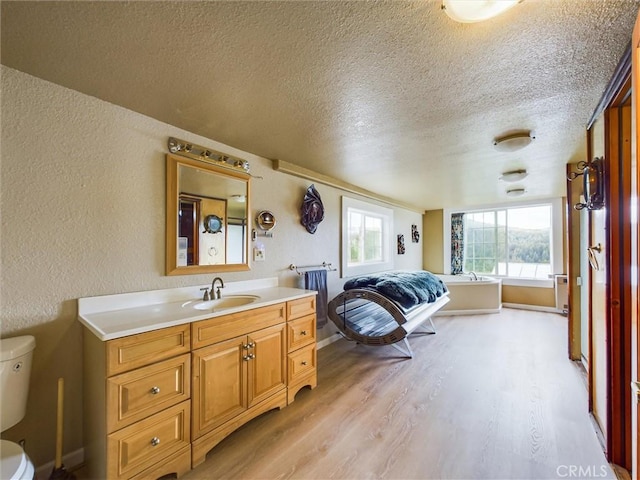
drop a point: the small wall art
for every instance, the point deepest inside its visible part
(415, 235)
(401, 248)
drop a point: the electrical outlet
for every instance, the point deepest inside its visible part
(259, 254)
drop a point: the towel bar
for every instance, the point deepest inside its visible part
(297, 268)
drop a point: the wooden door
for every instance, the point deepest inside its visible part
(219, 384)
(188, 218)
(585, 287)
(267, 367)
(597, 252)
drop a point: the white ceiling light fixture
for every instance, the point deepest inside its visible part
(513, 142)
(514, 175)
(516, 192)
(471, 11)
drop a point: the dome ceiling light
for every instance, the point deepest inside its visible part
(514, 175)
(471, 11)
(513, 142)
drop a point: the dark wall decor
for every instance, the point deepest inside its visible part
(415, 235)
(312, 211)
(401, 248)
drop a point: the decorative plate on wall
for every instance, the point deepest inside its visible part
(312, 210)
(212, 224)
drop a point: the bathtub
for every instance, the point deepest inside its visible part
(469, 296)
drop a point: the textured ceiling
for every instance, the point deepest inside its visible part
(393, 97)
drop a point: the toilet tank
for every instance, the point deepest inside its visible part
(15, 369)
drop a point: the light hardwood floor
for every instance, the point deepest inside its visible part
(489, 396)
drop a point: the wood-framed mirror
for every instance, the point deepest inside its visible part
(207, 211)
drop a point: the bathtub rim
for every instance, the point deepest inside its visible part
(464, 279)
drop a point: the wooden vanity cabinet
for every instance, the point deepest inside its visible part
(155, 403)
(137, 404)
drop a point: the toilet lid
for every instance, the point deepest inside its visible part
(14, 463)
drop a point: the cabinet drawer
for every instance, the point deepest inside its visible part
(301, 332)
(301, 363)
(135, 351)
(301, 307)
(148, 442)
(225, 327)
(140, 393)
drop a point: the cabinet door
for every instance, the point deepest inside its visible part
(219, 384)
(267, 365)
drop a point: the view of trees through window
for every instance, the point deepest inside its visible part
(514, 242)
(365, 237)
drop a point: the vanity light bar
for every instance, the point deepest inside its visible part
(191, 150)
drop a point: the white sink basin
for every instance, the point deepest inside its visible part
(223, 303)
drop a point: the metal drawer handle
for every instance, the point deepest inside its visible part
(248, 357)
(251, 345)
(303, 332)
(155, 441)
(155, 390)
(304, 362)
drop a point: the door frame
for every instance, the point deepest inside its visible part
(634, 312)
(618, 194)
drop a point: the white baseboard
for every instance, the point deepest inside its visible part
(328, 341)
(478, 311)
(70, 461)
(537, 308)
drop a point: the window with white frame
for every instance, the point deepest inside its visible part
(519, 243)
(366, 237)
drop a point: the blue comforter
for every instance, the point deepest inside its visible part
(407, 289)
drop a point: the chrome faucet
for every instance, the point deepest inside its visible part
(471, 274)
(213, 287)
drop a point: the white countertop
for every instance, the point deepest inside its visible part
(115, 316)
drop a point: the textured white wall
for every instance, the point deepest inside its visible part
(82, 209)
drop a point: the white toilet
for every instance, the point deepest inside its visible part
(15, 368)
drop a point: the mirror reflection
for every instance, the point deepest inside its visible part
(207, 208)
